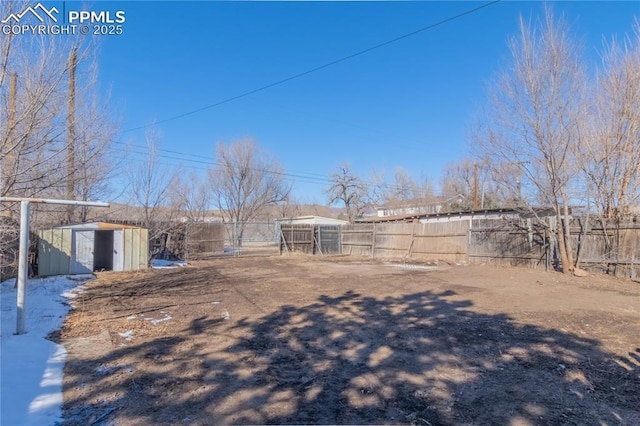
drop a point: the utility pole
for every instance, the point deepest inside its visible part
(71, 133)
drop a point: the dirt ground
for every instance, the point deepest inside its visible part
(311, 340)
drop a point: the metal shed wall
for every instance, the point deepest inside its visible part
(136, 249)
(54, 252)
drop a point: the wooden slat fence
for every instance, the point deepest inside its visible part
(614, 248)
(357, 239)
(509, 242)
(444, 241)
(296, 237)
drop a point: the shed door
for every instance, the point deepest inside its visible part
(118, 250)
(82, 255)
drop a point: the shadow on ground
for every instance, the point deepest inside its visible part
(421, 358)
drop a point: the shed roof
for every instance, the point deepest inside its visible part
(97, 226)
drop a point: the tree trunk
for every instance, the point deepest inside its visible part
(560, 237)
(567, 235)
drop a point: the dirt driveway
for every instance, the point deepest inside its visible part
(257, 340)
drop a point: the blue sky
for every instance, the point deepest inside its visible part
(406, 104)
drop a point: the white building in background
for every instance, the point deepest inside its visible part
(416, 207)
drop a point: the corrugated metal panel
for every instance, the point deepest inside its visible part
(118, 250)
(82, 255)
(144, 248)
(127, 265)
(54, 252)
(136, 247)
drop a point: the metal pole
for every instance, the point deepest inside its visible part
(54, 201)
(23, 266)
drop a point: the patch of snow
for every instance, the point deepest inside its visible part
(164, 264)
(127, 335)
(31, 367)
(157, 321)
(74, 292)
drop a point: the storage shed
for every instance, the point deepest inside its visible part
(97, 246)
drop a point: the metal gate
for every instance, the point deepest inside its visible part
(328, 239)
(313, 239)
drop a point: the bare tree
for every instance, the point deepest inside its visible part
(290, 207)
(31, 149)
(38, 89)
(457, 180)
(192, 196)
(349, 189)
(535, 119)
(150, 184)
(481, 184)
(404, 187)
(611, 154)
(244, 182)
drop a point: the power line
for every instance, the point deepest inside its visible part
(199, 158)
(289, 175)
(286, 175)
(318, 68)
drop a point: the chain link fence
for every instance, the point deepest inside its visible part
(242, 237)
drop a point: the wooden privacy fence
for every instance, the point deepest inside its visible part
(514, 242)
(614, 248)
(444, 241)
